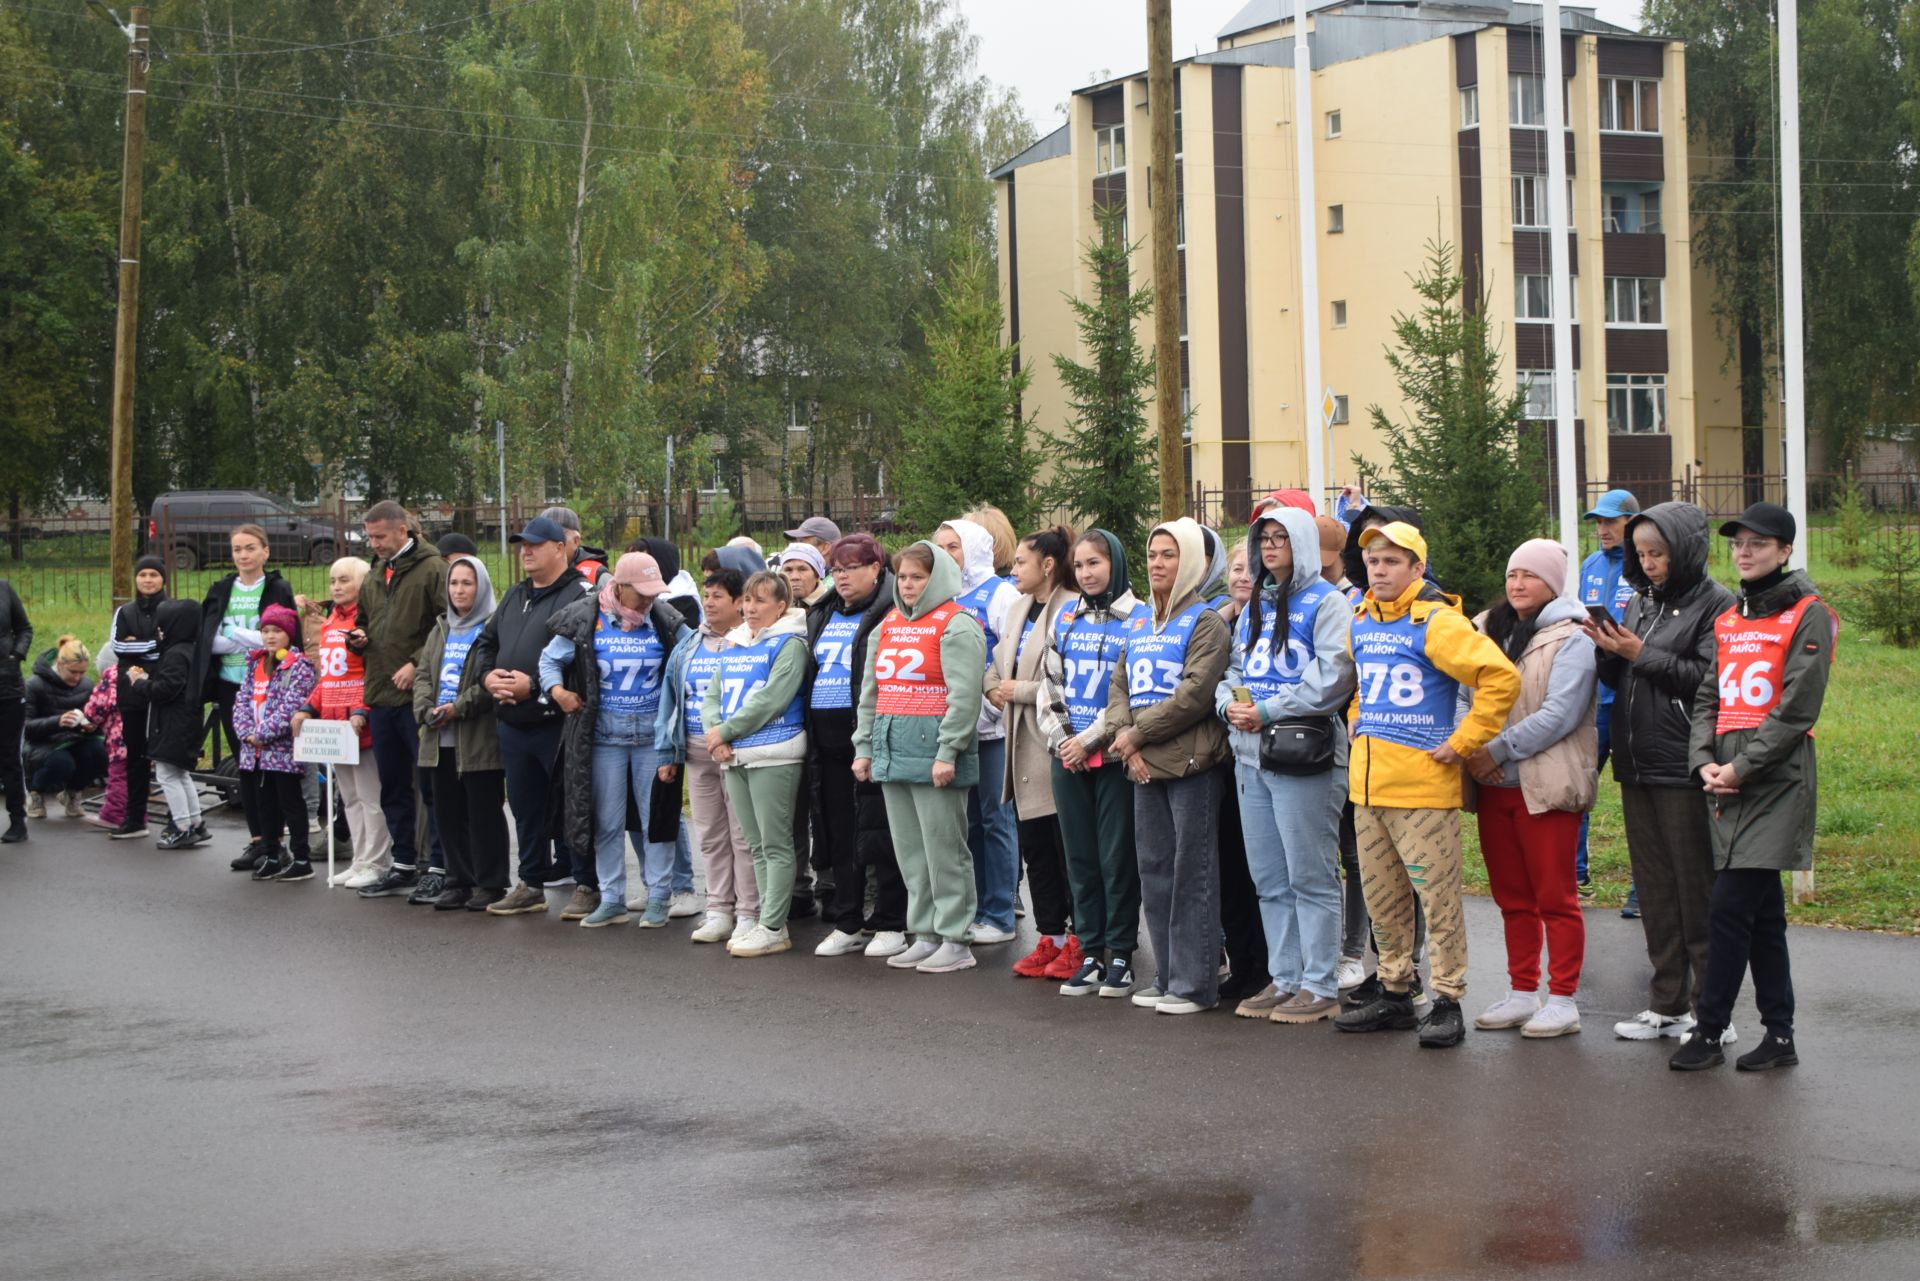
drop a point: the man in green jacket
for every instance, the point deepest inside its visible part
(1752, 749)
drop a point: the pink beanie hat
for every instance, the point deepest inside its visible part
(1545, 559)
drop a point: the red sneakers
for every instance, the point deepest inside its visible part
(1034, 964)
(1066, 963)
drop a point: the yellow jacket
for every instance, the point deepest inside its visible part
(1395, 776)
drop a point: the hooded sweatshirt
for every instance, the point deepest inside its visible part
(1355, 564)
(1088, 639)
(1303, 667)
(170, 692)
(1176, 652)
(904, 745)
(758, 696)
(988, 597)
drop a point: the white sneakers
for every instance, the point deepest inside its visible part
(683, 905)
(840, 943)
(70, 802)
(717, 928)
(985, 933)
(364, 877)
(761, 941)
(1648, 1026)
(887, 943)
(1512, 1010)
(910, 958)
(946, 959)
(1558, 1017)
(1352, 973)
(340, 877)
(1170, 1004)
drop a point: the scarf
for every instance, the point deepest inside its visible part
(610, 605)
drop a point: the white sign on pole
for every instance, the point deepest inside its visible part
(1329, 406)
(328, 743)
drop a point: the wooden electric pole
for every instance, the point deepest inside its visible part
(1166, 259)
(127, 322)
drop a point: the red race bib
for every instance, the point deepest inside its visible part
(1751, 654)
(908, 679)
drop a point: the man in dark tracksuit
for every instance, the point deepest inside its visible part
(16, 643)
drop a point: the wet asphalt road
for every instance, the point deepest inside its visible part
(201, 1077)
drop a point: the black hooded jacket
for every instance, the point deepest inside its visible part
(170, 694)
(1653, 695)
(213, 611)
(1351, 560)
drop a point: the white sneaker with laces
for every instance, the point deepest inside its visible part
(985, 933)
(887, 943)
(1648, 1026)
(753, 936)
(1352, 972)
(339, 878)
(364, 877)
(1512, 1010)
(910, 957)
(682, 905)
(1558, 1017)
(947, 959)
(763, 942)
(742, 926)
(840, 943)
(717, 928)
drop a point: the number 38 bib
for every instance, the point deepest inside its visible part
(1403, 697)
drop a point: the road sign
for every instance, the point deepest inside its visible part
(1329, 405)
(328, 743)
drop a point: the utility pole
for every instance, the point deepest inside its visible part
(1166, 258)
(1566, 464)
(1316, 424)
(127, 322)
(1793, 299)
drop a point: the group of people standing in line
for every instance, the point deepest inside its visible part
(888, 739)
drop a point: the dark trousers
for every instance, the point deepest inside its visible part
(74, 766)
(1356, 930)
(1174, 820)
(396, 756)
(13, 727)
(471, 810)
(224, 692)
(1244, 933)
(528, 754)
(1670, 847)
(1748, 929)
(139, 766)
(282, 809)
(844, 811)
(1095, 809)
(1046, 873)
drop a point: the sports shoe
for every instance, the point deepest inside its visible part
(198, 836)
(581, 904)
(294, 870)
(717, 928)
(36, 805)
(1772, 1052)
(1086, 981)
(271, 865)
(683, 905)
(1558, 1017)
(948, 959)
(1066, 963)
(1728, 1035)
(1262, 1003)
(398, 880)
(453, 898)
(175, 839)
(359, 879)
(763, 942)
(608, 913)
(1386, 1012)
(16, 832)
(1179, 1005)
(1305, 1007)
(1365, 992)
(1585, 888)
(1351, 973)
(339, 878)
(1511, 1010)
(482, 900)
(655, 917)
(840, 943)
(1119, 980)
(984, 933)
(1444, 1026)
(886, 943)
(428, 889)
(521, 898)
(136, 830)
(1648, 1026)
(1149, 997)
(245, 861)
(1696, 1054)
(1631, 908)
(911, 957)
(1034, 964)
(743, 926)
(70, 802)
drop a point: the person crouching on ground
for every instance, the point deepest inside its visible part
(1536, 782)
(1752, 748)
(1411, 656)
(278, 683)
(916, 737)
(1160, 705)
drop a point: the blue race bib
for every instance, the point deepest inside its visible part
(1274, 662)
(1088, 652)
(976, 602)
(702, 665)
(630, 665)
(744, 669)
(1155, 660)
(833, 662)
(1403, 697)
(453, 661)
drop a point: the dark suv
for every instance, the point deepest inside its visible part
(189, 528)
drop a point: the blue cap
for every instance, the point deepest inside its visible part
(1615, 503)
(540, 530)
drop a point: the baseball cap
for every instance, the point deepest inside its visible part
(1769, 520)
(540, 530)
(640, 571)
(1615, 503)
(1333, 538)
(816, 527)
(1400, 534)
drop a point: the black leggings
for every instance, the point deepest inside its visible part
(1046, 873)
(281, 807)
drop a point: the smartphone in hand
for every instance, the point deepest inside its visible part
(1602, 617)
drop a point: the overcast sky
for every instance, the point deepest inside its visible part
(1045, 49)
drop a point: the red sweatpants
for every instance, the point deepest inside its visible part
(1530, 869)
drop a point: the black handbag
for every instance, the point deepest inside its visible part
(1302, 746)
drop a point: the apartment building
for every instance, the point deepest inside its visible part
(1428, 122)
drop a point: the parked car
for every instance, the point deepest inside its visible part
(189, 528)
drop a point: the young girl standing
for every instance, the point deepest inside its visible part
(279, 681)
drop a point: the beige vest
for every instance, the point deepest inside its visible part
(1566, 775)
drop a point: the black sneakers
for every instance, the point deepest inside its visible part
(1119, 979)
(249, 858)
(451, 900)
(1086, 981)
(398, 880)
(1699, 1053)
(175, 838)
(484, 899)
(1385, 1012)
(1444, 1026)
(272, 864)
(131, 830)
(428, 889)
(1772, 1052)
(293, 869)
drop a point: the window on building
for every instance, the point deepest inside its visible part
(1635, 301)
(1631, 207)
(1526, 100)
(1530, 201)
(1533, 299)
(1336, 219)
(1470, 107)
(1109, 149)
(1629, 106)
(1339, 410)
(1333, 124)
(1340, 313)
(1180, 220)
(1537, 386)
(1179, 135)
(1637, 404)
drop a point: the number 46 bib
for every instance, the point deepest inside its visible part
(1752, 654)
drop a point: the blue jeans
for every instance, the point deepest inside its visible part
(993, 837)
(1292, 829)
(623, 758)
(1602, 721)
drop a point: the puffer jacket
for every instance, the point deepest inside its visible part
(1653, 695)
(272, 722)
(103, 709)
(1179, 736)
(400, 611)
(904, 748)
(1769, 822)
(830, 730)
(48, 699)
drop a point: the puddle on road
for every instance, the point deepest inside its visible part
(45, 1032)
